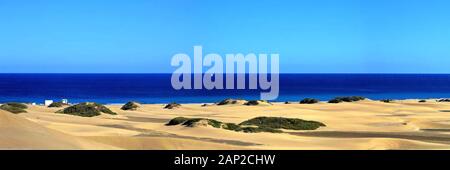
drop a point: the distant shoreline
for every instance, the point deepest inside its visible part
(234, 73)
(278, 102)
(211, 103)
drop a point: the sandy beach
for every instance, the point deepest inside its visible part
(363, 125)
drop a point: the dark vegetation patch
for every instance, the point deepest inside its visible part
(255, 125)
(228, 101)
(256, 102)
(14, 107)
(211, 122)
(57, 104)
(422, 101)
(177, 121)
(231, 126)
(131, 106)
(172, 105)
(346, 99)
(444, 100)
(190, 122)
(387, 100)
(259, 129)
(17, 105)
(283, 123)
(309, 101)
(252, 103)
(86, 110)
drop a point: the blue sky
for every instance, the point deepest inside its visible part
(141, 36)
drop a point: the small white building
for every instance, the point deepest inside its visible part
(48, 102)
(65, 101)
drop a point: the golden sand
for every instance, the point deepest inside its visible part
(405, 124)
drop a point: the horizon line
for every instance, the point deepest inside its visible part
(222, 73)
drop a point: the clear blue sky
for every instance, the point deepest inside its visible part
(141, 36)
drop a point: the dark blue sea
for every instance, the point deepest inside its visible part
(156, 88)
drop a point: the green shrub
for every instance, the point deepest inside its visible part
(259, 129)
(444, 100)
(211, 122)
(214, 123)
(56, 104)
(14, 107)
(252, 103)
(87, 110)
(336, 100)
(346, 99)
(263, 124)
(246, 129)
(177, 121)
(130, 106)
(231, 126)
(256, 102)
(227, 101)
(309, 101)
(104, 109)
(172, 105)
(190, 122)
(387, 100)
(17, 105)
(283, 123)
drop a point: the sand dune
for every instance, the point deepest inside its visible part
(396, 144)
(161, 143)
(367, 124)
(19, 133)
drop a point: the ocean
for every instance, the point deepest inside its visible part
(156, 88)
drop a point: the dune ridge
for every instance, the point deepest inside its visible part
(360, 125)
(19, 133)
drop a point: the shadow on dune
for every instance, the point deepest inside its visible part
(420, 136)
(153, 133)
